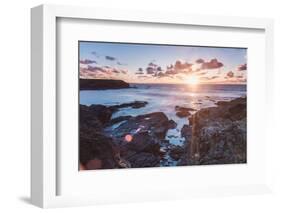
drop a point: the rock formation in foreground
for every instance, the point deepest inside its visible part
(134, 143)
(216, 135)
(102, 84)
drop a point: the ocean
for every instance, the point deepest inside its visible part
(164, 98)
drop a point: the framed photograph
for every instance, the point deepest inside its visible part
(130, 106)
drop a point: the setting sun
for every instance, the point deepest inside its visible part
(192, 80)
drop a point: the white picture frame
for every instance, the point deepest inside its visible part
(44, 154)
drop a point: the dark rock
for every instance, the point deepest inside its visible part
(156, 124)
(94, 164)
(102, 84)
(119, 119)
(186, 131)
(217, 135)
(95, 146)
(134, 143)
(144, 159)
(135, 105)
(182, 114)
(94, 115)
(183, 111)
(146, 133)
(176, 152)
(172, 124)
(179, 108)
(143, 142)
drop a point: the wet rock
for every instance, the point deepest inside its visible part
(183, 111)
(95, 146)
(119, 119)
(156, 124)
(186, 132)
(176, 152)
(217, 135)
(136, 142)
(143, 142)
(144, 159)
(90, 115)
(134, 105)
(172, 124)
(147, 133)
(182, 114)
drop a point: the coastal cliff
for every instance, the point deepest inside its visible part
(102, 84)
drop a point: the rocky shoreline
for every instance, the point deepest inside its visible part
(215, 135)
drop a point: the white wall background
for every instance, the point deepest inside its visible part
(15, 99)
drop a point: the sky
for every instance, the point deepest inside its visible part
(154, 63)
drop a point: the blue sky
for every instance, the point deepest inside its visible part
(162, 63)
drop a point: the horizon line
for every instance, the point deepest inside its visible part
(218, 83)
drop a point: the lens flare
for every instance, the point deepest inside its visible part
(128, 138)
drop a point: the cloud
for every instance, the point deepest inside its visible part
(213, 64)
(151, 64)
(230, 74)
(115, 71)
(87, 61)
(214, 77)
(122, 64)
(110, 58)
(105, 71)
(150, 70)
(95, 69)
(177, 68)
(139, 73)
(124, 71)
(182, 65)
(204, 78)
(170, 67)
(242, 67)
(201, 73)
(161, 74)
(95, 54)
(199, 61)
(159, 68)
(143, 76)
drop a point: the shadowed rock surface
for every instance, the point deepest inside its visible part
(134, 143)
(182, 112)
(147, 132)
(134, 105)
(216, 135)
